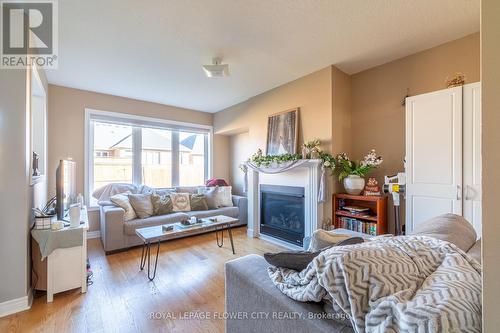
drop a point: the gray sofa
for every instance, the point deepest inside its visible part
(117, 234)
(251, 294)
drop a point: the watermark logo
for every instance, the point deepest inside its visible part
(29, 33)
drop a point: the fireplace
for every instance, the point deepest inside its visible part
(282, 213)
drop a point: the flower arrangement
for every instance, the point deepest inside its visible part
(346, 167)
(312, 144)
(328, 161)
(311, 149)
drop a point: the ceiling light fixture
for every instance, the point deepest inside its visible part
(217, 69)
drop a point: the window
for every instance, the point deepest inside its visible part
(140, 150)
(156, 166)
(112, 154)
(192, 153)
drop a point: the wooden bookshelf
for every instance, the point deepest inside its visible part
(376, 218)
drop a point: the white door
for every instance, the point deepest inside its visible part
(433, 155)
(472, 154)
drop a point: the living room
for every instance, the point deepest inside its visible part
(167, 163)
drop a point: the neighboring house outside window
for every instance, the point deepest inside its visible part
(154, 152)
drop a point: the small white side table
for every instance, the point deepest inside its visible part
(66, 267)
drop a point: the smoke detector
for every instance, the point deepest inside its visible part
(217, 69)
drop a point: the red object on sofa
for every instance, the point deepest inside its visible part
(216, 182)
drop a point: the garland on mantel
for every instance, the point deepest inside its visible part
(267, 160)
(260, 160)
(341, 164)
(280, 163)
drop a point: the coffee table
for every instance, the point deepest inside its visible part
(157, 234)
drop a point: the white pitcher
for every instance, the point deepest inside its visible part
(74, 216)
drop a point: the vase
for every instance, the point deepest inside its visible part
(354, 184)
(314, 154)
(305, 153)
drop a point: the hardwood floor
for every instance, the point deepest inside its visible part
(189, 279)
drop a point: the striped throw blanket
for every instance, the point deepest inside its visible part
(393, 284)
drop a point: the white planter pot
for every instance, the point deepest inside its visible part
(354, 185)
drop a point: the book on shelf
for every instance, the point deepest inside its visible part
(354, 224)
(356, 209)
(361, 215)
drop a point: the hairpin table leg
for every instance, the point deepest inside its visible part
(231, 237)
(143, 255)
(146, 252)
(221, 243)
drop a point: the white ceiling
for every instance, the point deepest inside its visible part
(153, 50)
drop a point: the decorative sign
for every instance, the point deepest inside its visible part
(372, 188)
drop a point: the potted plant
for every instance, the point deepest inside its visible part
(352, 173)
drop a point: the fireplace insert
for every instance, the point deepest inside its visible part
(282, 213)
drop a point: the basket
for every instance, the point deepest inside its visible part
(42, 223)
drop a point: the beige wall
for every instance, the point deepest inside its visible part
(341, 118)
(378, 118)
(490, 74)
(239, 153)
(66, 119)
(311, 93)
(221, 158)
(17, 196)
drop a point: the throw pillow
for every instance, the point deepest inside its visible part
(211, 196)
(225, 196)
(475, 251)
(298, 260)
(180, 202)
(141, 204)
(121, 200)
(162, 204)
(198, 202)
(216, 182)
(448, 227)
(322, 238)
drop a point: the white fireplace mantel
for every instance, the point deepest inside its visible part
(306, 175)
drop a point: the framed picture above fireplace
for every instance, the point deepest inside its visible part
(282, 132)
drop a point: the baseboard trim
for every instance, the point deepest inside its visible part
(30, 297)
(15, 305)
(93, 234)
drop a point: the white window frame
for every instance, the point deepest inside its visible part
(89, 143)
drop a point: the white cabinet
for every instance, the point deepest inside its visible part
(472, 155)
(64, 268)
(443, 155)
